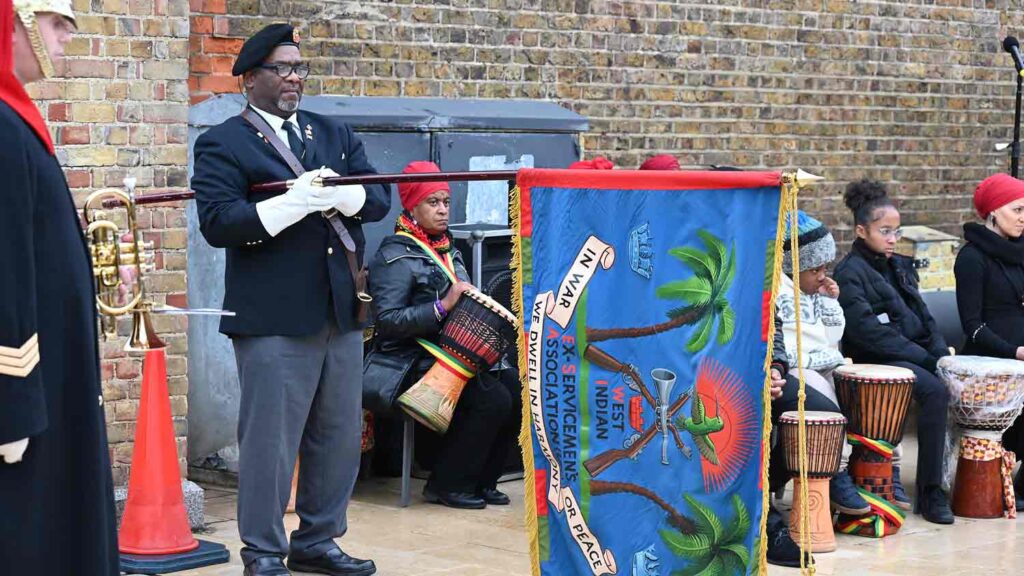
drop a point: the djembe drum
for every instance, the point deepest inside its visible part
(473, 338)
(986, 395)
(825, 434)
(874, 399)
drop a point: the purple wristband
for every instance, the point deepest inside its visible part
(440, 308)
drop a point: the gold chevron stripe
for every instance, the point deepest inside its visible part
(19, 362)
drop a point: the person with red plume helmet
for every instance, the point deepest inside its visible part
(990, 285)
(412, 295)
(56, 493)
(661, 162)
(598, 163)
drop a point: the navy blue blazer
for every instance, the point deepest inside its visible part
(290, 284)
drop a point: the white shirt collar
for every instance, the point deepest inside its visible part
(275, 121)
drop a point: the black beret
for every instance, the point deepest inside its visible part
(256, 49)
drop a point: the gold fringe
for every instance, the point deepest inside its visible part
(525, 439)
(794, 247)
(780, 229)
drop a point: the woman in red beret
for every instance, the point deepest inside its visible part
(412, 295)
(990, 285)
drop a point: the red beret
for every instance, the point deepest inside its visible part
(599, 163)
(412, 193)
(995, 192)
(660, 162)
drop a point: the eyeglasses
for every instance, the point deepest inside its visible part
(895, 233)
(285, 70)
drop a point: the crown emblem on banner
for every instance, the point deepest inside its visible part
(640, 252)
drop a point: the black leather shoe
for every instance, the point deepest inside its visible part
(782, 550)
(266, 566)
(934, 506)
(464, 500)
(494, 496)
(334, 563)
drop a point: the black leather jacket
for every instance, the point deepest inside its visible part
(886, 318)
(405, 283)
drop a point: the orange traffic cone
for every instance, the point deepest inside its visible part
(154, 520)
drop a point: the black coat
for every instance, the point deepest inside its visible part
(284, 285)
(886, 318)
(404, 283)
(990, 292)
(56, 505)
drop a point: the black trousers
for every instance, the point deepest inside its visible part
(815, 401)
(1013, 438)
(472, 455)
(932, 400)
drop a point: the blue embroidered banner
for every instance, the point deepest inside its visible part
(643, 354)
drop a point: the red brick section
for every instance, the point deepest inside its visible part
(122, 110)
(915, 95)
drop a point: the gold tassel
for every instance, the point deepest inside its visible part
(525, 438)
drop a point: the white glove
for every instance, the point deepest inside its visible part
(282, 211)
(347, 199)
(13, 451)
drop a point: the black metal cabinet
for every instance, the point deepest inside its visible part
(453, 133)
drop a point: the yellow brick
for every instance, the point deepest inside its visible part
(117, 91)
(91, 156)
(117, 136)
(79, 46)
(382, 88)
(78, 91)
(117, 47)
(173, 239)
(93, 112)
(173, 155)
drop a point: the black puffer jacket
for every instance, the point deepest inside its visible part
(404, 283)
(886, 319)
(989, 292)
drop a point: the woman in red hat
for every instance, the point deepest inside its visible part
(412, 294)
(990, 285)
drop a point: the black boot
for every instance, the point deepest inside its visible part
(782, 550)
(934, 505)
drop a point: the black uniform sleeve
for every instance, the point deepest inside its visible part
(378, 196)
(227, 218)
(22, 396)
(391, 286)
(970, 289)
(780, 359)
(865, 331)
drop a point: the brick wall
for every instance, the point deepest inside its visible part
(122, 110)
(914, 93)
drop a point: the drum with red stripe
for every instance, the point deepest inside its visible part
(875, 400)
(474, 336)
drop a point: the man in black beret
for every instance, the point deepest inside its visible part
(289, 278)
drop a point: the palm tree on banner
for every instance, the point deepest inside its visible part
(702, 296)
(712, 549)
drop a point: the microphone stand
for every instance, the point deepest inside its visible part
(1015, 145)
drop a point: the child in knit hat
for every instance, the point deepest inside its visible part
(821, 329)
(822, 321)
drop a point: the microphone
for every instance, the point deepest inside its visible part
(1012, 45)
